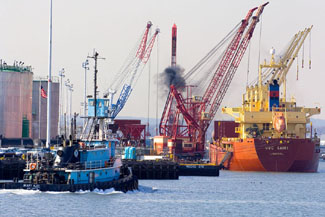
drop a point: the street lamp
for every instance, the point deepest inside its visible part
(85, 66)
(70, 112)
(67, 85)
(62, 75)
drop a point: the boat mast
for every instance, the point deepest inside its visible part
(49, 86)
(95, 57)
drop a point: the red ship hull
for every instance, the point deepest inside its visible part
(277, 155)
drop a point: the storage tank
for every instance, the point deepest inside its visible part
(132, 153)
(15, 100)
(39, 108)
(126, 152)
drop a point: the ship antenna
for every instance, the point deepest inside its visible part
(95, 57)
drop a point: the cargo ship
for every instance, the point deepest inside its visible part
(269, 133)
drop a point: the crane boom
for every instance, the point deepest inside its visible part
(127, 88)
(181, 106)
(284, 63)
(199, 114)
(293, 54)
(131, 72)
(225, 61)
(233, 66)
(143, 44)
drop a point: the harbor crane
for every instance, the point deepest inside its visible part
(199, 111)
(278, 70)
(130, 72)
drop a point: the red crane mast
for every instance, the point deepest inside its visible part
(143, 44)
(227, 78)
(198, 116)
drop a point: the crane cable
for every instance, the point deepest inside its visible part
(157, 86)
(310, 50)
(149, 88)
(259, 43)
(120, 77)
(248, 59)
(297, 66)
(210, 53)
(205, 67)
(303, 55)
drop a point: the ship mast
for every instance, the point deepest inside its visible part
(271, 65)
(95, 57)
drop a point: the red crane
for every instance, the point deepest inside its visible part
(198, 114)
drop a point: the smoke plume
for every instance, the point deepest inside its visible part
(174, 76)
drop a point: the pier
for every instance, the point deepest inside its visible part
(151, 169)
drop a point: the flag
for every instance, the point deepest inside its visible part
(43, 93)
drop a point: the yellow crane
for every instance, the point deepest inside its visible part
(279, 70)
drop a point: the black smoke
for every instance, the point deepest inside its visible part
(174, 76)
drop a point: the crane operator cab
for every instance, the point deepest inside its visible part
(101, 108)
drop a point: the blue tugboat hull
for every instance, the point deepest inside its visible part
(128, 183)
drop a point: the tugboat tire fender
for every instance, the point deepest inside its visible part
(32, 166)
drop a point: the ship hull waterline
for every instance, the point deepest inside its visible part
(270, 155)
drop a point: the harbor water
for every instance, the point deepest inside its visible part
(230, 194)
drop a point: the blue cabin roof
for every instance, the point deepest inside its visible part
(102, 107)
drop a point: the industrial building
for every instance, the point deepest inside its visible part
(15, 100)
(39, 108)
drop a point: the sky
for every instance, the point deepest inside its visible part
(114, 27)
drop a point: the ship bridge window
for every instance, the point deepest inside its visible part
(266, 126)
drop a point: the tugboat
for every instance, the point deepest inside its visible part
(83, 164)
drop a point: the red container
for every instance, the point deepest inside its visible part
(225, 129)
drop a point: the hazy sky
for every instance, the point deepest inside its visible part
(113, 28)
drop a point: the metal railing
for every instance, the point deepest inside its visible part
(15, 68)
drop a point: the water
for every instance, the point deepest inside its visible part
(231, 194)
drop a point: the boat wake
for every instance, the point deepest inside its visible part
(146, 189)
(19, 191)
(111, 191)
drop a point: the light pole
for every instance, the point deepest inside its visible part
(49, 86)
(70, 111)
(85, 66)
(61, 74)
(67, 85)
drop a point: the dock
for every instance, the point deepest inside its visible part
(153, 169)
